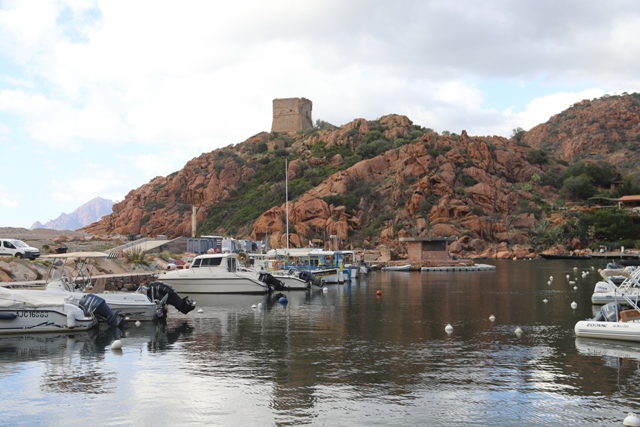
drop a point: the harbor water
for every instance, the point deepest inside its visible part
(342, 357)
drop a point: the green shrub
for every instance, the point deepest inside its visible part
(135, 256)
(578, 187)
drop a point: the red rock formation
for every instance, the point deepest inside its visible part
(423, 186)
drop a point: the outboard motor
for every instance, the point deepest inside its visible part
(163, 293)
(609, 312)
(93, 305)
(310, 278)
(613, 266)
(272, 282)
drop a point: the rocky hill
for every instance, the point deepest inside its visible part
(86, 214)
(369, 182)
(600, 129)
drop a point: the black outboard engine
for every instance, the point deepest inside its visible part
(609, 312)
(310, 278)
(272, 282)
(613, 266)
(93, 305)
(160, 291)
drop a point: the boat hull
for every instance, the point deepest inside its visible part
(601, 298)
(214, 285)
(292, 283)
(406, 267)
(329, 275)
(42, 319)
(133, 306)
(622, 331)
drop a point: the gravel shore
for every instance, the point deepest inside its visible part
(74, 240)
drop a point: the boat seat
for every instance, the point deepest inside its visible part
(630, 315)
(609, 273)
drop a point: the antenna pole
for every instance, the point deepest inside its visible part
(286, 192)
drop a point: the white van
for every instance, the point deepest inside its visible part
(18, 249)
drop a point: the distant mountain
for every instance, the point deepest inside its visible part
(86, 214)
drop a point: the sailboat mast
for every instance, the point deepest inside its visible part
(286, 195)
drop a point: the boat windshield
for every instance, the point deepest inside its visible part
(206, 262)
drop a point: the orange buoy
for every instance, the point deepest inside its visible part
(379, 293)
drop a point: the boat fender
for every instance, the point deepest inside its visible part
(8, 316)
(73, 314)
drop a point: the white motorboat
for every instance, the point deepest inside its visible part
(405, 267)
(612, 323)
(607, 290)
(147, 303)
(40, 311)
(214, 274)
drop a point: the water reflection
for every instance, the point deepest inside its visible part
(350, 357)
(74, 362)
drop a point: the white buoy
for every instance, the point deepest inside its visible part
(592, 268)
(448, 329)
(138, 323)
(575, 288)
(254, 306)
(116, 345)
(518, 331)
(571, 282)
(575, 268)
(568, 277)
(574, 305)
(492, 317)
(632, 420)
(259, 306)
(200, 310)
(549, 283)
(545, 300)
(551, 278)
(325, 289)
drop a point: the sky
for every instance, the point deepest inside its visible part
(99, 97)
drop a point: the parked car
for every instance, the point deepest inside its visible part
(18, 249)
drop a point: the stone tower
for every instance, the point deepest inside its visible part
(291, 115)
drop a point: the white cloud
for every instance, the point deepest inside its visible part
(8, 200)
(541, 109)
(136, 89)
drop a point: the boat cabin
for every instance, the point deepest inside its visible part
(215, 260)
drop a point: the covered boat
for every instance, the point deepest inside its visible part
(39, 311)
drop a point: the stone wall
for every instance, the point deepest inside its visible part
(426, 251)
(291, 115)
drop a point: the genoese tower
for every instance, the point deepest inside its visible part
(291, 115)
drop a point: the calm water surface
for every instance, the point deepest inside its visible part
(343, 357)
